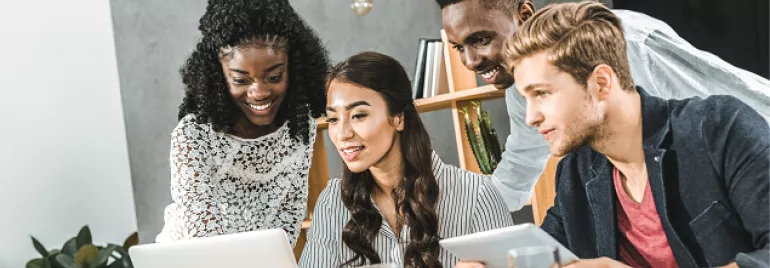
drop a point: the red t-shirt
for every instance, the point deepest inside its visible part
(641, 241)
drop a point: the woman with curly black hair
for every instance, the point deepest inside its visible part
(241, 151)
(396, 198)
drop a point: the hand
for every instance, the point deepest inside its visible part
(731, 265)
(470, 264)
(602, 262)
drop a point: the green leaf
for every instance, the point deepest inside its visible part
(84, 236)
(131, 241)
(102, 258)
(471, 133)
(70, 248)
(54, 252)
(484, 155)
(65, 261)
(37, 263)
(39, 247)
(86, 254)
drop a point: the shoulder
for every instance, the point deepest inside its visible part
(719, 115)
(331, 196)
(714, 109)
(190, 128)
(454, 180)
(638, 26)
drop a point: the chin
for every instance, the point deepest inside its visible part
(356, 167)
(262, 121)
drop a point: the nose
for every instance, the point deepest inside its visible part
(534, 117)
(258, 91)
(343, 130)
(471, 59)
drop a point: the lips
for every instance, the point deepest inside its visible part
(350, 153)
(547, 133)
(490, 75)
(260, 108)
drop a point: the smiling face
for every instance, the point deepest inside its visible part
(563, 110)
(257, 79)
(478, 33)
(361, 127)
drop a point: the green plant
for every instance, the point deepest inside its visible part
(80, 252)
(484, 144)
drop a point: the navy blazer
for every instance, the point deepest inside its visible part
(708, 162)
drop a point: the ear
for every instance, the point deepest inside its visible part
(526, 10)
(398, 122)
(601, 80)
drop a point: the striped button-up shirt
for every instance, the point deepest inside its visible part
(468, 203)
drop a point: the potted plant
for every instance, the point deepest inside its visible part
(80, 252)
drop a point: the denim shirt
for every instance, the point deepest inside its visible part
(662, 63)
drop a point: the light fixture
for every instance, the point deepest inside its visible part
(361, 7)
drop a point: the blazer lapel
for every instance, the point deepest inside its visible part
(601, 197)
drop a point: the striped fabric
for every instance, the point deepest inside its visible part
(468, 203)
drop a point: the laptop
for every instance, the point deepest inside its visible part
(264, 248)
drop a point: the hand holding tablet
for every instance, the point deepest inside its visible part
(492, 247)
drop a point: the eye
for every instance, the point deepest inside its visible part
(241, 81)
(458, 48)
(331, 120)
(481, 41)
(274, 79)
(359, 116)
(542, 94)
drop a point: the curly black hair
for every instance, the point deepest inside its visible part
(231, 23)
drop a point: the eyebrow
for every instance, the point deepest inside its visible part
(530, 87)
(269, 69)
(349, 106)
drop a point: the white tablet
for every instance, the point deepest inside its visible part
(492, 246)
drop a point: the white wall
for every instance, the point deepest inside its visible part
(63, 153)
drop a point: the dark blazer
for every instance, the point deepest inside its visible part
(708, 162)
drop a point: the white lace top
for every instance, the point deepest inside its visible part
(222, 184)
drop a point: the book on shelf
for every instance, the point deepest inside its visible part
(428, 66)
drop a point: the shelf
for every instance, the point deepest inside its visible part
(444, 101)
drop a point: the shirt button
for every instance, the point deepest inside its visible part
(657, 159)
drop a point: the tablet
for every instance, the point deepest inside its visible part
(492, 246)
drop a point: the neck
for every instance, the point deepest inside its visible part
(248, 130)
(388, 172)
(621, 136)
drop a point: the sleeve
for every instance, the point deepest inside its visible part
(553, 223)
(489, 210)
(194, 212)
(322, 249)
(738, 141)
(292, 209)
(667, 66)
(524, 159)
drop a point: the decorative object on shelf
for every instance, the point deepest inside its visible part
(485, 146)
(79, 252)
(361, 7)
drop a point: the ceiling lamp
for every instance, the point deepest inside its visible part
(361, 7)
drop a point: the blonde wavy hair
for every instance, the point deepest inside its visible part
(577, 36)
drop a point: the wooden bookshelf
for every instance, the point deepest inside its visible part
(458, 88)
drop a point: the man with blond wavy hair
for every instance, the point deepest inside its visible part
(645, 182)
